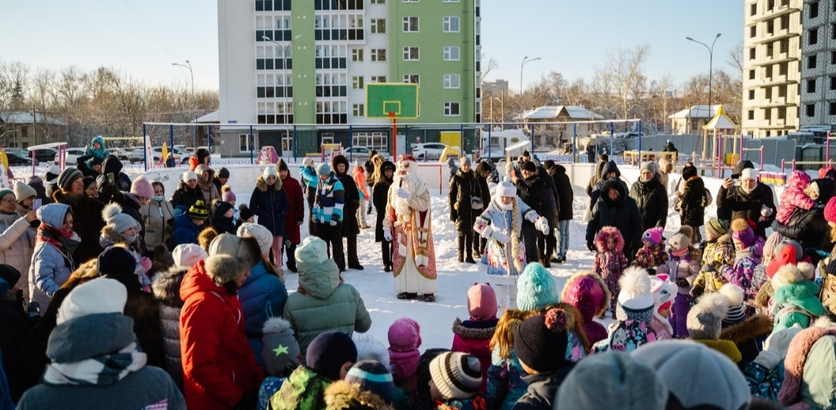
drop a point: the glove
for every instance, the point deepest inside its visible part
(768, 359)
(486, 233)
(542, 225)
(402, 193)
(387, 234)
(683, 283)
(333, 223)
(820, 206)
(501, 238)
(590, 246)
(766, 211)
(145, 263)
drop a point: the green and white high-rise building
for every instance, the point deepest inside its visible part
(304, 65)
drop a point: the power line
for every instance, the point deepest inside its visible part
(147, 29)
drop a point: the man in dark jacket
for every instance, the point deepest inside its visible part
(532, 190)
(651, 197)
(464, 193)
(485, 172)
(691, 206)
(221, 179)
(565, 195)
(352, 200)
(749, 200)
(112, 179)
(616, 208)
(723, 214)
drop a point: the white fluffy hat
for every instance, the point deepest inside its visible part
(100, 295)
(188, 255)
(506, 188)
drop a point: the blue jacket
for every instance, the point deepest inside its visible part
(185, 231)
(309, 177)
(330, 200)
(100, 153)
(270, 203)
(262, 296)
(50, 266)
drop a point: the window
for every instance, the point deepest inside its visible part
(451, 109)
(751, 74)
(378, 79)
(378, 26)
(753, 9)
(278, 112)
(358, 110)
(813, 36)
(243, 143)
(813, 10)
(338, 5)
(331, 56)
(811, 61)
(329, 27)
(753, 31)
(330, 84)
(410, 24)
(451, 53)
(270, 5)
(452, 81)
(451, 24)
(378, 1)
(833, 83)
(411, 78)
(811, 86)
(379, 54)
(378, 140)
(767, 93)
(331, 112)
(357, 82)
(831, 108)
(410, 54)
(810, 110)
(751, 114)
(833, 57)
(357, 55)
(752, 53)
(751, 94)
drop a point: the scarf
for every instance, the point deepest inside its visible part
(60, 239)
(103, 370)
(680, 254)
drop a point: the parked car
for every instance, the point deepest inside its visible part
(358, 153)
(138, 155)
(19, 158)
(428, 151)
(71, 155)
(120, 153)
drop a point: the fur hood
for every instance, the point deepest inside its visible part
(369, 348)
(606, 233)
(110, 235)
(754, 327)
(166, 286)
(342, 395)
(798, 180)
(340, 159)
(472, 333)
(261, 184)
(577, 292)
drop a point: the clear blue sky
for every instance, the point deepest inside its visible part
(142, 38)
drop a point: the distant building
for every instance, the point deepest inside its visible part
(496, 87)
(818, 64)
(552, 133)
(691, 120)
(21, 129)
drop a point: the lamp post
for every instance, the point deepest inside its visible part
(710, 75)
(188, 66)
(525, 61)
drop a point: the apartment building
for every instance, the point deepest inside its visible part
(818, 67)
(298, 69)
(772, 68)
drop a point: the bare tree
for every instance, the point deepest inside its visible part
(735, 60)
(623, 70)
(487, 67)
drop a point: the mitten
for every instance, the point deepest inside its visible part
(768, 359)
(766, 211)
(387, 234)
(403, 193)
(682, 282)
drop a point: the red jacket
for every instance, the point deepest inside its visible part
(297, 209)
(218, 364)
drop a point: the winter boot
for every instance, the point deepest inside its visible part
(461, 248)
(468, 245)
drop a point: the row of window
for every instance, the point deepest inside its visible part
(265, 57)
(332, 112)
(450, 24)
(410, 53)
(811, 60)
(770, 5)
(284, 5)
(810, 109)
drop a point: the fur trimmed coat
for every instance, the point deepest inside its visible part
(609, 262)
(270, 204)
(503, 229)
(473, 337)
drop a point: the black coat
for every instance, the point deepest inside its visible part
(13, 329)
(463, 187)
(542, 389)
(185, 196)
(809, 228)
(380, 197)
(87, 223)
(740, 204)
(623, 213)
(596, 189)
(692, 213)
(551, 191)
(565, 193)
(352, 197)
(652, 199)
(532, 191)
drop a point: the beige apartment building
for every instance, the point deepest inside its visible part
(818, 63)
(772, 57)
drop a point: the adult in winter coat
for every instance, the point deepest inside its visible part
(484, 174)
(566, 196)
(599, 166)
(532, 189)
(608, 172)
(323, 302)
(221, 178)
(158, 217)
(209, 193)
(465, 198)
(340, 166)
(810, 228)
(263, 294)
(187, 192)
(112, 179)
(219, 368)
(95, 359)
(359, 175)
(87, 214)
(295, 216)
(615, 208)
(380, 197)
(14, 326)
(166, 288)
(17, 240)
(53, 255)
(691, 202)
(751, 200)
(270, 204)
(651, 198)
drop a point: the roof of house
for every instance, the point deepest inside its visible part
(550, 112)
(697, 111)
(214, 116)
(25, 117)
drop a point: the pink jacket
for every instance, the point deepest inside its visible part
(473, 337)
(794, 197)
(662, 331)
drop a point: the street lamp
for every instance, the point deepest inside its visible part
(284, 48)
(710, 65)
(525, 61)
(188, 66)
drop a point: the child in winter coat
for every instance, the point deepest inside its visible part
(367, 385)
(404, 341)
(765, 374)
(652, 253)
(281, 357)
(664, 295)
(589, 294)
(793, 198)
(473, 336)
(455, 382)
(634, 314)
(718, 246)
(222, 218)
(705, 322)
(610, 260)
(796, 297)
(359, 175)
(747, 256)
(682, 268)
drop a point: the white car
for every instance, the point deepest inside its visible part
(138, 155)
(120, 153)
(71, 155)
(358, 153)
(428, 151)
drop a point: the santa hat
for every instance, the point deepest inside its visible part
(664, 294)
(406, 163)
(653, 235)
(635, 300)
(506, 188)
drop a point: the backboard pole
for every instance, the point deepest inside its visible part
(394, 135)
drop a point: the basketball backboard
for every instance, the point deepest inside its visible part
(397, 98)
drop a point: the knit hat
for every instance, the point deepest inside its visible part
(481, 301)
(282, 165)
(187, 255)
(536, 288)
(246, 212)
(786, 256)
(312, 250)
(506, 188)
(688, 172)
(323, 169)
(269, 172)
(705, 319)
(736, 312)
(634, 300)
(223, 173)
(749, 173)
(653, 235)
(198, 210)
(52, 174)
(308, 162)
(116, 260)
(648, 165)
(715, 228)
(10, 275)
(664, 295)
(456, 375)
(830, 210)
(404, 335)
(374, 377)
(227, 194)
(769, 247)
(23, 191)
(89, 180)
(680, 241)
(280, 351)
(529, 166)
(245, 249)
(742, 232)
(67, 177)
(100, 295)
(142, 187)
(4, 192)
(188, 176)
(120, 222)
(588, 293)
(696, 376)
(329, 351)
(465, 160)
(620, 382)
(260, 233)
(540, 341)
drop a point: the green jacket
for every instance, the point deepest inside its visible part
(304, 389)
(796, 303)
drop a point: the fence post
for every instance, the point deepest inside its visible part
(640, 141)
(144, 136)
(575, 142)
(350, 145)
(761, 157)
(782, 165)
(295, 145)
(793, 165)
(490, 128)
(250, 137)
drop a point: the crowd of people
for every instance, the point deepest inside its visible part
(114, 294)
